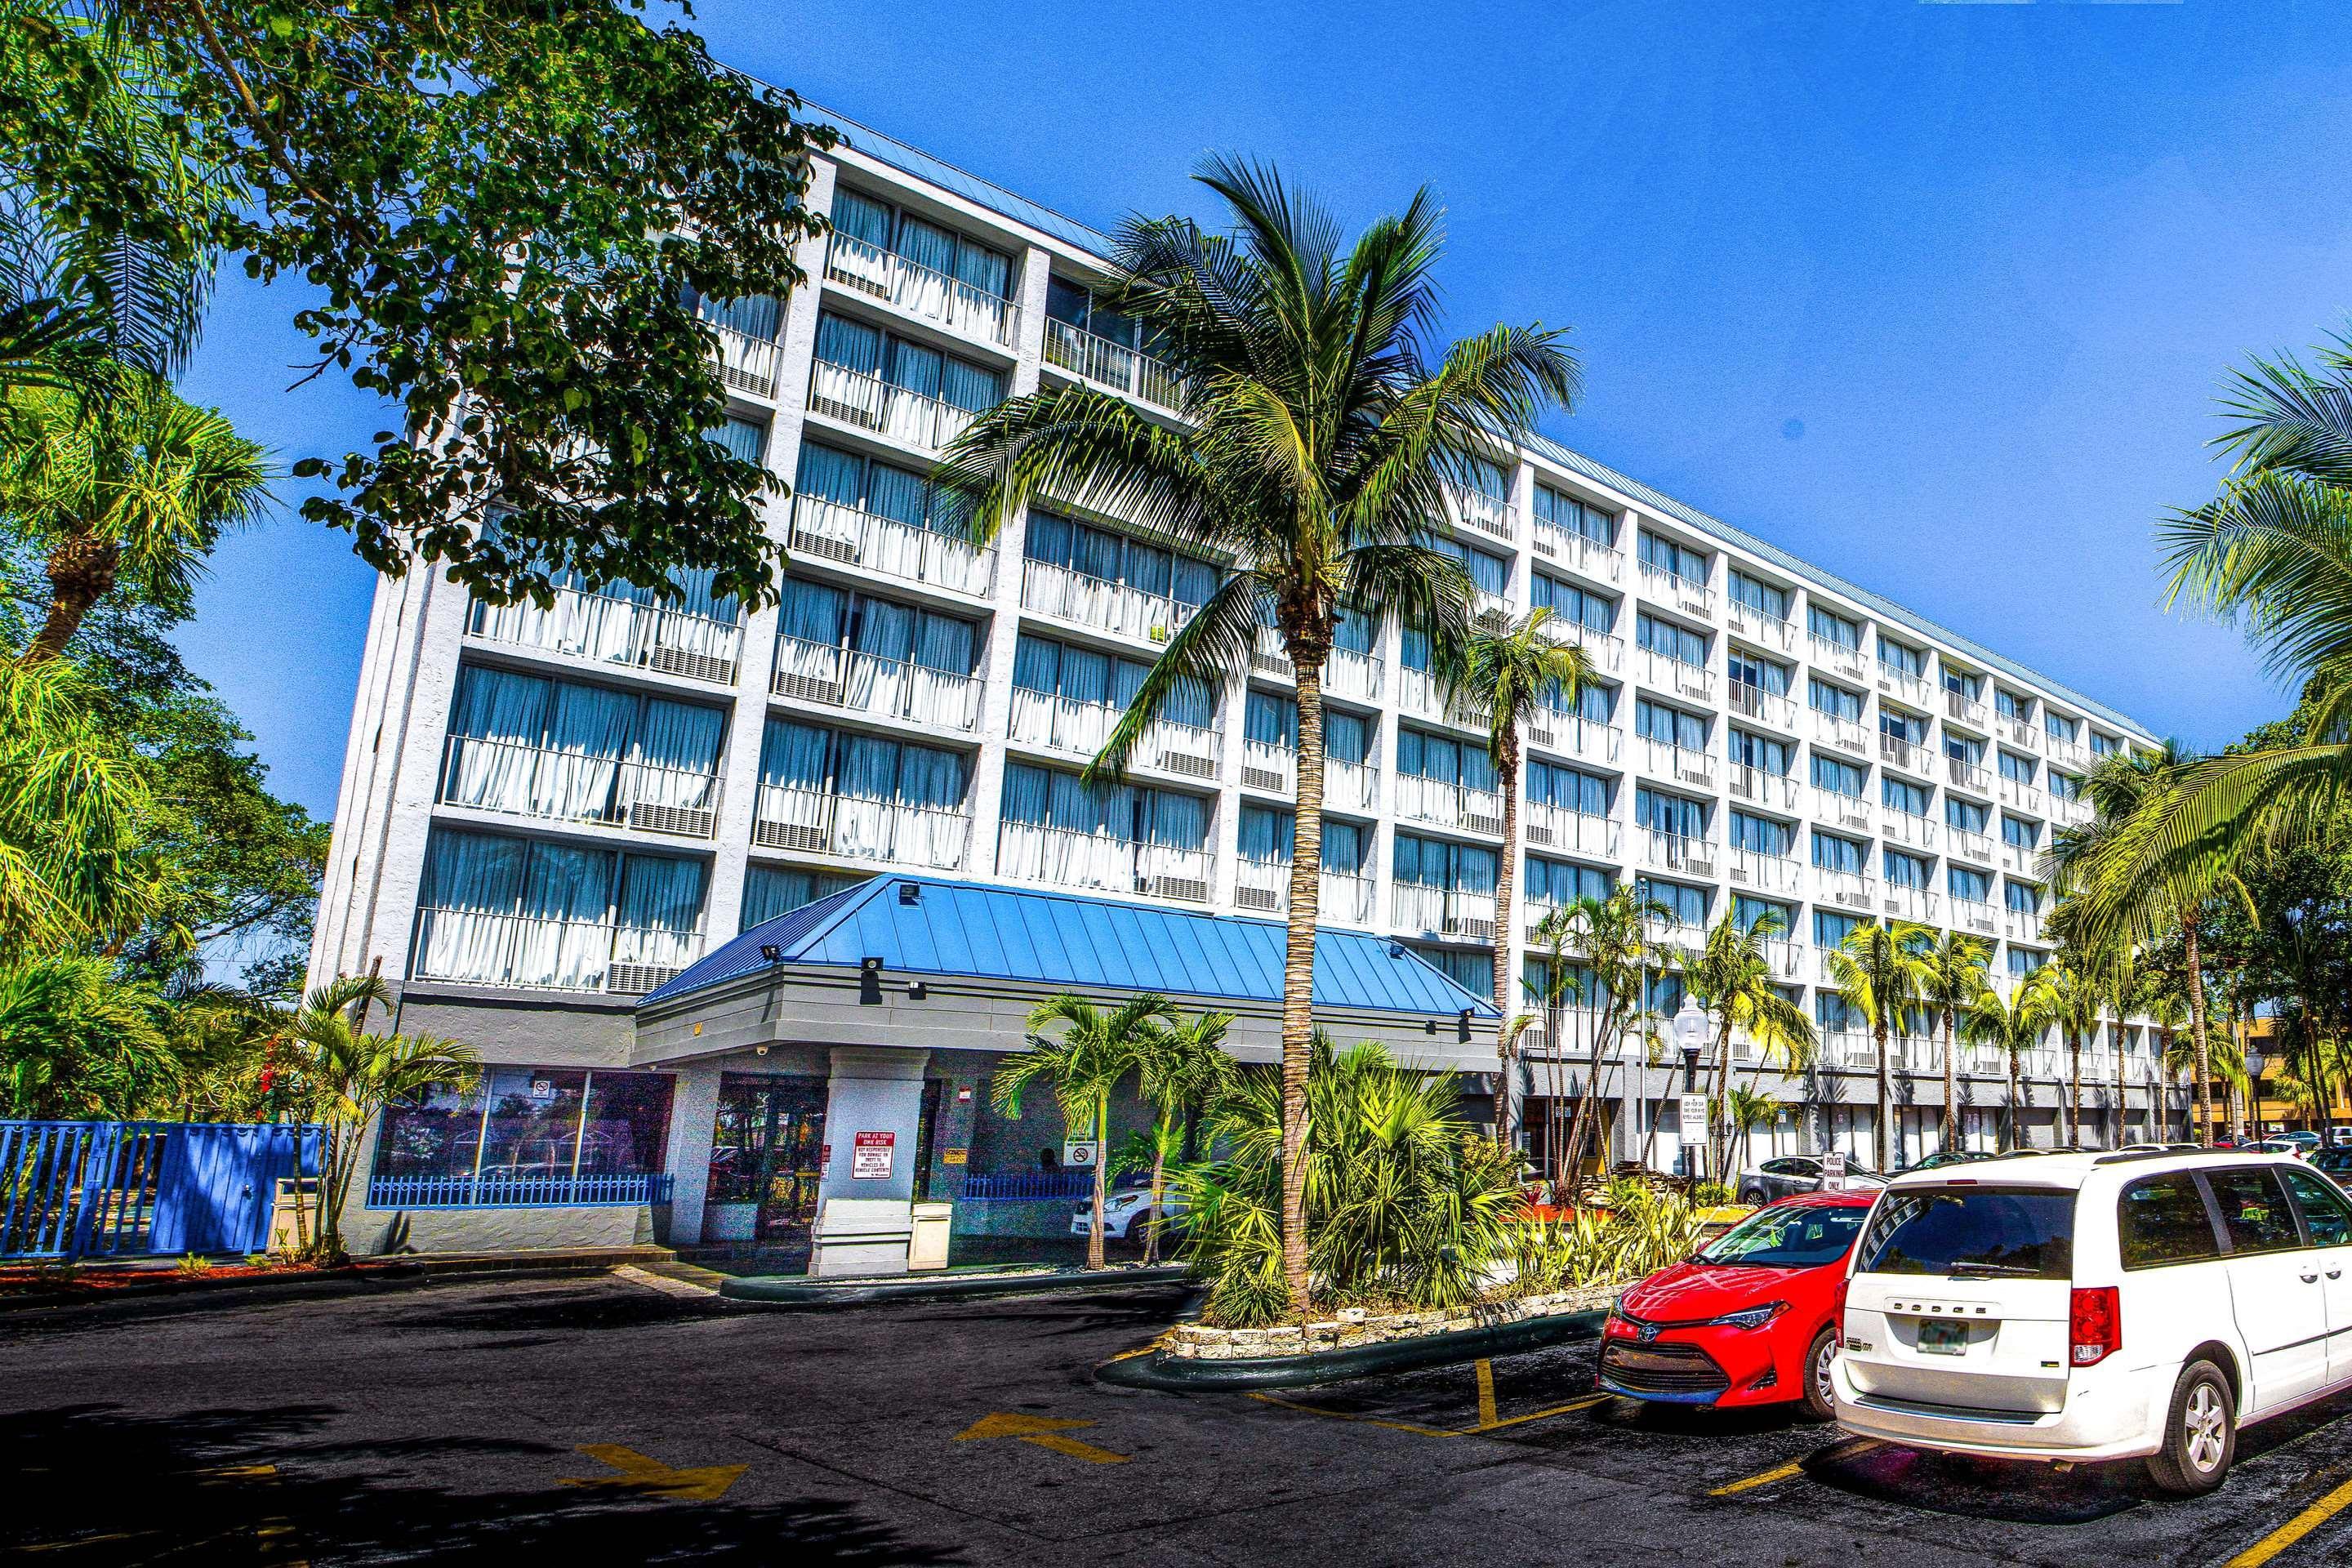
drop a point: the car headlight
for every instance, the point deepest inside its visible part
(1750, 1318)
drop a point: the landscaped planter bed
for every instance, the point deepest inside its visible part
(1356, 1328)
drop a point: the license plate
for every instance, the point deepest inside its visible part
(1943, 1338)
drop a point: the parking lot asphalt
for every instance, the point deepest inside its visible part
(629, 1419)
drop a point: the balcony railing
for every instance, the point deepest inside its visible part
(1443, 912)
(2070, 754)
(1030, 852)
(1420, 693)
(1902, 902)
(1835, 655)
(1908, 755)
(517, 779)
(1846, 735)
(1791, 959)
(1917, 1052)
(1849, 1050)
(1664, 760)
(1765, 707)
(2022, 733)
(1080, 729)
(1556, 828)
(1099, 603)
(1684, 855)
(1749, 782)
(1445, 804)
(1263, 886)
(835, 676)
(963, 307)
(748, 363)
(1691, 596)
(1967, 711)
(1272, 768)
(1968, 775)
(616, 631)
(2021, 795)
(1755, 872)
(2023, 925)
(1683, 943)
(1606, 652)
(2019, 859)
(2071, 810)
(1846, 889)
(830, 531)
(1351, 786)
(1602, 563)
(528, 953)
(1114, 365)
(1976, 847)
(1663, 674)
(1476, 510)
(1907, 827)
(814, 822)
(1899, 683)
(1348, 673)
(1761, 628)
(1975, 917)
(1491, 611)
(1557, 731)
(870, 403)
(1847, 811)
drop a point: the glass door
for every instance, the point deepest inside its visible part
(767, 1149)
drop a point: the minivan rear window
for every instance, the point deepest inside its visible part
(2163, 1219)
(1971, 1232)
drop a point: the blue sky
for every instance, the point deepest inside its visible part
(1937, 295)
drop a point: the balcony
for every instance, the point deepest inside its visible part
(2023, 925)
(1445, 804)
(1606, 652)
(748, 363)
(1960, 709)
(1476, 510)
(1673, 940)
(1691, 596)
(1753, 871)
(1850, 812)
(1269, 767)
(2022, 796)
(872, 403)
(1665, 759)
(1080, 729)
(1601, 563)
(1030, 852)
(2019, 859)
(1422, 694)
(1660, 673)
(1976, 847)
(2022, 733)
(1443, 912)
(963, 308)
(1351, 786)
(1974, 916)
(1113, 365)
(875, 688)
(1790, 959)
(1683, 856)
(1899, 683)
(1777, 792)
(1835, 656)
(828, 531)
(1852, 890)
(1263, 886)
(528, 953)
(815, 822)
(1489, 612)
(1906, 828)
(1562, 831)
(1968, 775)
(1764, 707)
(1099, 603)
(1902, 902)
(1917, 1052)
(2071, 810)
(608, 630)
(1761, 628)
(2072, 756)
(1348, 673)
(517, 779)
(1846, 735)
(1849, 1050)
(1582, 738)
(1908, 755)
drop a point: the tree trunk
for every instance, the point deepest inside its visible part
(81, 571)
(1298, 971)
(1509, 779)
(1951, 1083)
(1094, 1253)
(1885, 1092)
(2123, 1094)
(2073, 1089)
(2014, 1142)
(1159, 1180)
(1718, 1133)
(2197, 1029)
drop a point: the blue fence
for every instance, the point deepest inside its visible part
(1034, 1186)
(100, 1189)
(517, 1192)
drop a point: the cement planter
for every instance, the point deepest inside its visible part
(1354, 1327)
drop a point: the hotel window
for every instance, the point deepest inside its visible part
(1686, 906)
(1836, 777)
(2060, 727)
(1076, 306)
(1832, 929)
(570, 752)
(1110, 557)
(1962, 750)
(773, 890)
(1664, 555)
(2024, 897)
(2010, 705)
(1439, 863)
(1558, 883)
(1900, 794)
(2105, 745)
(1675, 815)
(1746, 914)
(1668, 640)
(1761, 752)
(1763, 598)
(1969, 885)
(818, 619)
(1444, 759)
(1568, 515)
(1083, 676)
(909, 367)
(924, 244)
(1832, 628)
(2065, 786)
(1912, 662)
(1764, 674)
(745, 438)
(1669, 725)
(1761, 834)
(1965, 815)
(505, 911)
(2023, 961)
(1489, 573)
(870, 485)
(1268, 834)
(1835, 701)
(1126, 814)
(2018, 833)
(1908, 727)
(1592, 611)
(1474, 972)
(1595, 703)
(1836, 1014)
(1569, 789)
(1834, 852)
(1965, 685)
(1489, 478)
(1346, 737)
(1902, 869)
(755, 316)
(808, 773)
(1271, 721)
(2015, 768)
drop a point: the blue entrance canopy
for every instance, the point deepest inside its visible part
(922, 925)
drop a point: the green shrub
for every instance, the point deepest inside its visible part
(195, 1263)
(1707, 1194)
(1639, 1236)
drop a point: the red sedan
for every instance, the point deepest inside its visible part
(1750, 1320)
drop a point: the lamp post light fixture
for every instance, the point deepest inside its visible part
(1690, 1035)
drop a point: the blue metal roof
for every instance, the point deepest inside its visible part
(938, 172)
(989, 933)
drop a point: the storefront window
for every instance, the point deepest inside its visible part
(530, 1123)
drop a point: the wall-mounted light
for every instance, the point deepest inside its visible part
(869, 982)
(1396, 950)
(771, 952)
(910, 893)
(1461, 1026)
(917, 990)
(1429, 1025)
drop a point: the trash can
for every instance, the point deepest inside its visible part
(927, 1248)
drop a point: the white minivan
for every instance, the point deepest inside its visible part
(2083, 1307)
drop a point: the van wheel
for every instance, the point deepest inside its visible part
(2200, 1434)
(1821, 1402)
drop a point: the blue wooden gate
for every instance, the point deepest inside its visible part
(97, 1189)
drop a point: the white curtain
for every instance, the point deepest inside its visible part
(660, 911)
(587, 734)
(500, 719)
(473, 885)
(675, 757)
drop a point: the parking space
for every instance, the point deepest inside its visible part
(606, 1417)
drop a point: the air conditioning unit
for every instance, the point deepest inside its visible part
(636, 979)
(1465, 927)
(1188, 764)
(1186, 888)
(1263, 663)
(1538, 834)
(1694, 866)
(1476, 824)
(826, 690)
(789, 836)
(1740, 874)
(1544, 545)
(691, 822)
(825, 545)
(1266, 898)
(699, 665)
(1691, 775)
(1853, 899)
(1543, 735)
(1265, 779)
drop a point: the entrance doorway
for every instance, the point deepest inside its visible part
(767, 1150)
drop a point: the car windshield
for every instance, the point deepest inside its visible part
(2025, 1232)
(1804, 1236)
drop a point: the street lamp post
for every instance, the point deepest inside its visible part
(1690, 1035)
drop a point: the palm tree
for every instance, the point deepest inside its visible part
(1557, 992)
(2226, 1061)
(1183, 1070)
(1096, 1049)
(1878, 971)
(1506, 672)
(2072, 996)
(1951, 976)
(72, 803)
(1602, 945)
(1314, 444)
(2015, 1025)
(134, 493)
(1746, 1105)
(1732, 983)
(348, 1076)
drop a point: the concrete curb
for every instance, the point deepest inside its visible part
(1192, 1375)
(785, 1290)
(407, 1272)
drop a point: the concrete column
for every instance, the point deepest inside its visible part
(693, 1114)
(863, 1226)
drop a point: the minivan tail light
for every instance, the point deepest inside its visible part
(1837, 1308)
(2095, 1319)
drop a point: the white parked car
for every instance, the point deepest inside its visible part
(2085, 1306)
(1124, 1210)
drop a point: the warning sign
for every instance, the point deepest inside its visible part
(870, 1157)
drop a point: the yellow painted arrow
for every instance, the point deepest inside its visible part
(700, 1483)
(1043, 1430)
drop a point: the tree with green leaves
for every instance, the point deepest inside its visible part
(1732, 983)
(74, 1042)
(507, 208)
(1598, 949)
(2072, 993)
(1879, 970)
(1093, 1050)
(1316, 437)
(2013, 1024)
(73, 871)
(1952, 975)
(1747, 1108)
(1181, 1069)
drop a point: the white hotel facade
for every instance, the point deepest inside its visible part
(544, 815)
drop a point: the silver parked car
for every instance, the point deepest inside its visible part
(1796, 1173)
